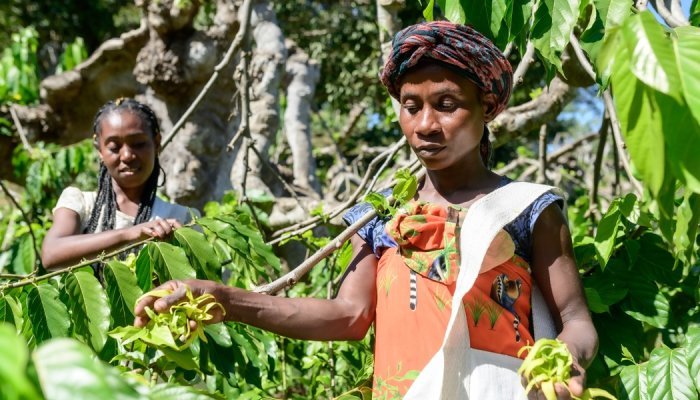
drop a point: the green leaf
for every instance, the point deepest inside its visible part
(641, 124)
(453, 11)
(12, 311)
(605, 236)
(667, 374)
(692, 353)
(634, 382)
(23, 257)
(122, 291)
(687, 219)
(168, 391)
(170, 262)
(485, 16)
(428, 11)
(49, 316)
(687, 46)
(613, 12)
(200, 253)
(67, 369)
(13, 366)
(652, 56)
(183, 358)
(379, 203)
(89, 307)
(406, 186)
(144, 269)
(554, 23)
(695, 13)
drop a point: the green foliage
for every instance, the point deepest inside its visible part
(19, 81)
(405, 187)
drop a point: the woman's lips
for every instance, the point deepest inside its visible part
(430, 150)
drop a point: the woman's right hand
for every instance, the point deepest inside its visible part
(159, 229)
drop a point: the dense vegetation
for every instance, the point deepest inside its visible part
(637, 250)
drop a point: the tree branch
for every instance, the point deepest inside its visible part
(524, 64)
(235, 45)
(20, 129)
(619, 143)
(542, 176)
(519, 120)
(602, 138)
(674, 16)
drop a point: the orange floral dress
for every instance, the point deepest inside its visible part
(416, 277)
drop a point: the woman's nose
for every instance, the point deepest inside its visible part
(428, 123)
(127, 154)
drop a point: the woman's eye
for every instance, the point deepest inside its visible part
(447, 105)
(113, 149)
(411, 108)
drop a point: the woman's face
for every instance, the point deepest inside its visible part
(127, 148)
(441, 116)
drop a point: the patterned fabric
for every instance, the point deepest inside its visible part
(459, 46)
(520, 230)
(415, 286)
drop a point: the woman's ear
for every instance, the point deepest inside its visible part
(489, 102)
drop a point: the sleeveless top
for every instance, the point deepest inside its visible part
(416, 272)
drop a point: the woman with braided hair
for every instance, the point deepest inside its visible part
(465, 275)
(125, 208)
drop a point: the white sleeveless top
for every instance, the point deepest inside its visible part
(82, 203)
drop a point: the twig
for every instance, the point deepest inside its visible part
(619, 143)
(30, 280)
(286, 185)
(524, 64)
(673, 20)
(35, 243)
(354, 116)
(582, 56)
(562, 151)
(602, 138)
(381, 169)
(303, 226)
(20, 129)
(542, 177)
(508, 49)
(235, 44)
(616, 163)
(13, 276)
(296, 274)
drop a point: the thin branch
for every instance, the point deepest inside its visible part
(30, 280)
(303, 226)
(524, 64)
(296, 274)
(508, 49)
(616, 162)
(381, 169)
(559, 153)
(235, 45)
(286, 185)
(20, 129)
(542, 177)
(35, 243)
(582, 57)
(615, 123)
(353, 117)
(672, 19)
(602, 138)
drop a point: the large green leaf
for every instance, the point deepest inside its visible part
(605, 236)
(485, 16)
(144, 269)
(652, 56)
(68, 370)
(48, 314)
(692, 354)
(640, 120)
(634, 382)
(170, 262)
(22, 255)
(122, 291)
(554, 23)
(453, 10)
(687, 219)
(167, 391)
(89, 307)
(667, 375)
(200, 252)
(613, 12)
(687, 45)
(13, 366)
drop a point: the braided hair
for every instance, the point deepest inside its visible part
(485, 148)
(103, 213)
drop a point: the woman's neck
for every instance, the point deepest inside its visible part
(128, 199)
(458, 185)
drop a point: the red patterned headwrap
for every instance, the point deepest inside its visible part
(458, 46)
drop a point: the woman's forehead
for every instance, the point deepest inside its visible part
(438, 76)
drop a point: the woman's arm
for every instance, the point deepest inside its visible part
(555, 272)
(346, 317)
(65, 245)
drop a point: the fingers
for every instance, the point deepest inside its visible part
(160, 228)
(141, 318)
(177, 296)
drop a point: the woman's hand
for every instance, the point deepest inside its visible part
(576, 385)
(178, 289)
(159, 228)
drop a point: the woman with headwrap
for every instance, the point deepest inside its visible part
(450, 81)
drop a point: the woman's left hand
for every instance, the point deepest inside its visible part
(576, 386)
